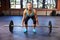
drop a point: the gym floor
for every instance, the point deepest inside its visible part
(41, 34)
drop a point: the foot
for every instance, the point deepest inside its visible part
(25, 30)
(34, 30)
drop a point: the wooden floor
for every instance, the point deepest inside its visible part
(41, 34)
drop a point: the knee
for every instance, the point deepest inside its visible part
(34, 21)
(25, 22)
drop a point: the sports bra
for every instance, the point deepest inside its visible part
(27, 14)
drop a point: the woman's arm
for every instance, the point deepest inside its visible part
(24, 15)
(36, 17)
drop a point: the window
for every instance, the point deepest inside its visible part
(24, 3)
(29, 1)
(34, 3)
(40, 3)
(48, 4)
(15, 4)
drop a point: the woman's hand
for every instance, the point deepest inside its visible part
(22, 23)
(37, 23)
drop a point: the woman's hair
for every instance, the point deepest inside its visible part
(29, 2)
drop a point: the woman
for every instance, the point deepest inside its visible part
(28, 13)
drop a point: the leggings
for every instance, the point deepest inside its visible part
(28, 17)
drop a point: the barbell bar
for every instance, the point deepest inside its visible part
(28, 26)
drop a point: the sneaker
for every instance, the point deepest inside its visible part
(34, 30)
(25, 30)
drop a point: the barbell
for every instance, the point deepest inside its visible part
(11, 26)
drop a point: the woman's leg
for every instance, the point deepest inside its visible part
(26, 28)
(34, 30)
(34, 23)
(26, 24)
